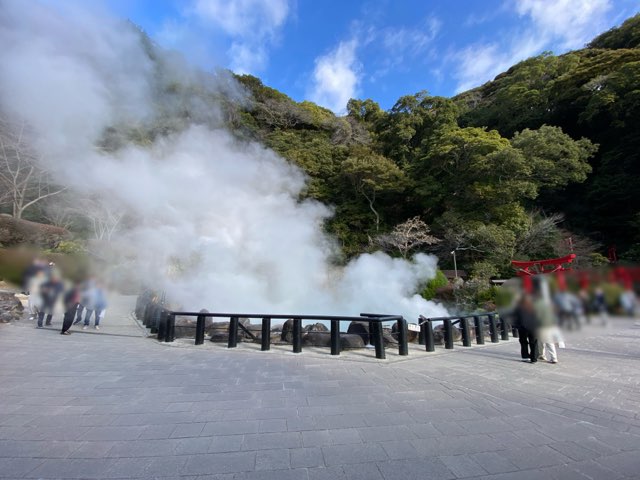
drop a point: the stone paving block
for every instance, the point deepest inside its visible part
(494, 462)
(574, 451)
(626, 463)
(316, 438)
(462, 466)
(18, 467)
(215, 463)
(424, 430)
(92, 450)
(418, 469)
(142, 448)
(192, 445)
(185, 430)
(77, 468)
(112, 433)
(299, 424)
(449, 428)
(455, 445)
(386, 433)
(306, 457)
(329, 473)
(595, 471)
(21, 448)
(228, 443)
(400, 450)
(52, 433)
(277, 459)
(230, 428)
(272, 425)
(155, 432)
(353, 453)
(362, 471)
(535, 457)
(340, 421)
(340, 436)
(297, 474)
(265, 441)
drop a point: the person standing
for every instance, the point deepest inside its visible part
(50, 292)
(71, 300)
(96, 305)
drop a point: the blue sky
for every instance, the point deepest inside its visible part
(329, 51)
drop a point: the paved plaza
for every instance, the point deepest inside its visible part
(114, 404)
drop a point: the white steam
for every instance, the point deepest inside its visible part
(217, 223)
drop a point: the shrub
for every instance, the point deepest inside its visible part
(439, 281)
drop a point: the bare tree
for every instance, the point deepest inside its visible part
(407, 236)
(24, 182)
(105, 219)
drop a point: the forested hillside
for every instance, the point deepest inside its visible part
(546, 152)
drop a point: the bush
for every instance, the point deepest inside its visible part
(439, 281)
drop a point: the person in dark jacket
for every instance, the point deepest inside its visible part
(71, 300)
(526, 323)
(50, 292)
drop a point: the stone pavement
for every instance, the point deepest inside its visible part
(115, 406)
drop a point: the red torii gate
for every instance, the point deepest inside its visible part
(534, 267)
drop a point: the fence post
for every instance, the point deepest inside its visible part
(429, 342)
(493, 328)
(479, 324)
(266, 334)
(448, 334)
(233, 333)
(466, 333)
(403, 344)
(162, 326)
(504, 327)
(146, 314)
(170, 332)
(200, 329)
(378, 341)
(154, 319)
(514, 332)
(297, 335)
(335, 337)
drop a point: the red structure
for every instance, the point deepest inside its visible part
(534, 267)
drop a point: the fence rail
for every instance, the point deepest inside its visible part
(162, 322)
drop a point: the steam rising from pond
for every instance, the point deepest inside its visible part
(216, 222)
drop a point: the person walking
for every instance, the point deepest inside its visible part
(71, 300)
(525, 322)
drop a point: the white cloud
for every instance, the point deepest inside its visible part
(557, 25)
(398, 41)
(572, 23)
(252, 26)
(336, 77)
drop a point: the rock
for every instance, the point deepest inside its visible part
(317, 339)
(219, 331)
(360, 328)
(11, 308)
(287, 331)
(438, 334)
(351, 340)
(411, 336)
(388, 340)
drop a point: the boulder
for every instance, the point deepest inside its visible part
(438, 334)
(351, 340)
(11, 308)
(316, 335)
(360, 328)
(287, 331)
(411, 335)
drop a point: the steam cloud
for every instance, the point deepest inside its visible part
(226, 212)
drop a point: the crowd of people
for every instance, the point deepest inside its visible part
(540, 315)
(46, 288)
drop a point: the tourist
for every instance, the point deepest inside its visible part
(547, 330)
(96, 304)
(71, 299)
(50, 291)
(34, 304)
(525, 322)
(86, 290)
